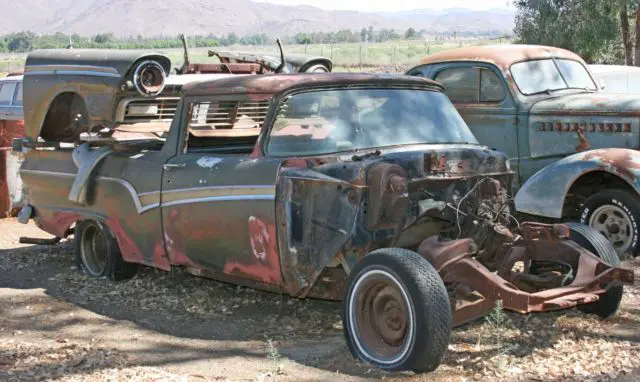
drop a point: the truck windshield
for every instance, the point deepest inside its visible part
(541, 76)
(330, 121)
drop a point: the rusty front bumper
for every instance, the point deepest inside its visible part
(521, 284)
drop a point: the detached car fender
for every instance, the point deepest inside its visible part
(545, 192)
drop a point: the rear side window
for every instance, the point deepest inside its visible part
(17, 101)
(7, 90)
(471, 85)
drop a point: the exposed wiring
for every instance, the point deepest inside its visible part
(462, 200)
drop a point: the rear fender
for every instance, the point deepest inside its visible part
(544, 194)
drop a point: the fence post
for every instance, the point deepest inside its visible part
(426, 49)
(394, 54)
(360, 57)
(331, 51)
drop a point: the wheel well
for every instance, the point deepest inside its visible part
(61, 116)
(587, 185)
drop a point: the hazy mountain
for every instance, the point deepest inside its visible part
(170, 17)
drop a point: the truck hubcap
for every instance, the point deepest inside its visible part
(615, 225)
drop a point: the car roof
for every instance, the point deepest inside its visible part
(278, 83)
(500, 55)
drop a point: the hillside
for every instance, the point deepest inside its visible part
(171, 17)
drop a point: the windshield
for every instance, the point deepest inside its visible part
(329, 121)
(552, 74)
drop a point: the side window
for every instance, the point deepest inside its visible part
(7, 90)
(491, 87)
(471, 85)
(225, 126)
(462, 84)
(17, 100)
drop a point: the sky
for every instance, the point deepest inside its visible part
(391, 6)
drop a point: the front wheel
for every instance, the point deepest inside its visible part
(396, 312)
(616, 215)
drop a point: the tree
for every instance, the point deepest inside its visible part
(103, 38)
(20, 42)
(583, 26)
(370, 34)
(624, 31)
(410, 34)
(363, 35)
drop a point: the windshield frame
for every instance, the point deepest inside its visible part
(277, 101)
(554, 60)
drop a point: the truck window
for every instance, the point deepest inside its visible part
(225, 126)
(462, 84)
(7, 90)
(471, 85)
(17, 100)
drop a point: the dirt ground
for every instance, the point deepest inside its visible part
(57, 324)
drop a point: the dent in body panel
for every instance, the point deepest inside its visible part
(545, 192)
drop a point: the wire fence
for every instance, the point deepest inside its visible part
(345, 56)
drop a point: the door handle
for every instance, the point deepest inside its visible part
(171, 166)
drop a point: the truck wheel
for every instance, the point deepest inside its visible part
(97, 253)
(396, 312)
(615, 214)
(589, 238)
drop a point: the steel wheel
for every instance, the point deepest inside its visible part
(382, 316)
(93, 250)
(615, 224)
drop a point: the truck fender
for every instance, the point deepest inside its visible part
(544, 194)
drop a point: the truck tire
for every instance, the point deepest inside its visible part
(608, 303)
(616, 214)
(396, 312)
(97, 253)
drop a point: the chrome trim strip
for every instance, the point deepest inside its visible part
(229, 198)
(214, 188)
(134, 195)
(71, 68)
(144, 208)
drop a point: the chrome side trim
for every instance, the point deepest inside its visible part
(134, 195)
(228, 198)
(71, 68)
(230, 188)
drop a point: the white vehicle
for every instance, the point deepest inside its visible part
(617, 78)
(11, 126)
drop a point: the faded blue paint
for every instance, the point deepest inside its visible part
(545, 192)
(537, 130)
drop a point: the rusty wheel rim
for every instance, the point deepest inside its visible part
(382, 317)
(93, 250)
(615, 224)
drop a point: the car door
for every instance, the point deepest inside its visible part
(218, 202)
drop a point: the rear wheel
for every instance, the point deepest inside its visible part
(97, 253)
(589, 238)
(396, 312)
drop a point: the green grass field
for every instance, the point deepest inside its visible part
(346, 57)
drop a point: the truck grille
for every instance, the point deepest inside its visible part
(229, 114)
(150, 110)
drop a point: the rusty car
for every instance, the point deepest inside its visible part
(540, 104)
(11, 126)
(334, 186)
(136, 109)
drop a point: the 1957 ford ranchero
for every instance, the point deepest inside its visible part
(361, 187)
